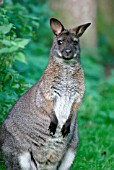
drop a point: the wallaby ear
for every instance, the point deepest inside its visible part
(81, 29)
(56, 26)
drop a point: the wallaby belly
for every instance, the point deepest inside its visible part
(52, 153)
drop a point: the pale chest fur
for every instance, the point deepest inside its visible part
(63, 107)
(65, 93)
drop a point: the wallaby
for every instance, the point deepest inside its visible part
(40, 132)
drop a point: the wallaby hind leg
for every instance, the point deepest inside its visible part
(16, 160)
(19, 162)
(10, 155)
(10, 164)
(7, 163)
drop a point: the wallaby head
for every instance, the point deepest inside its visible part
(66, 41)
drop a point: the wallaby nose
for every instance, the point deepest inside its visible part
(68, 51)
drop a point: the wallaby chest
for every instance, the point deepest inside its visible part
(65, 93)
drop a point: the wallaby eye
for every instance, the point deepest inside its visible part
(60, 42)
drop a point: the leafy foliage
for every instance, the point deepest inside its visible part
(11, 48)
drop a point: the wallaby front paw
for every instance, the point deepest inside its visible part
(53, 124)
(65, 129)
(52, 128)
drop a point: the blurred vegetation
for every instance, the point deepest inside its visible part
(25, 41)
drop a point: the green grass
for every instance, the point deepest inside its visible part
(96, 147)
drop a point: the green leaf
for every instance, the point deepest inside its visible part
(16, 86)
(21, 57)
(6, 42)
(13, 49)
(8, 50)
(4, 50)
(21, 43)
(6, 28)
